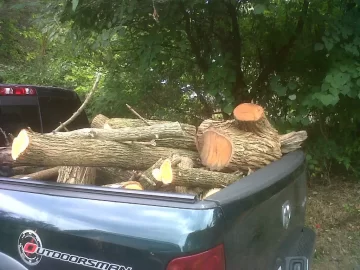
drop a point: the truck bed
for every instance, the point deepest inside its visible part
(87, 226)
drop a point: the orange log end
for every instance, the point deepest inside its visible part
(132, 185)
(248, 112)
(217, 150)
(20, 143)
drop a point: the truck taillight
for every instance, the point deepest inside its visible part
(17, 91)
(213, 259)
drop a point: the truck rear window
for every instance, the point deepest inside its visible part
(15, 118)
(58, 109)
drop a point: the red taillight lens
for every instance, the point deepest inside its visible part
(213, 259)
(17, 91)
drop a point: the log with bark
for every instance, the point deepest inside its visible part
(222, 145)
(77, 175)
(31, 148)
(47, 174)
(5, 156)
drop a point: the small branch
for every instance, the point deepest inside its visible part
(77, 113)
(138, 115)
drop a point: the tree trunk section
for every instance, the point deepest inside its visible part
(158, 131)
(48, 174)
(292, 141)
(77, 175)
(129, 122)
(222, 145)
(99, 121)
(251, 118)
(30, 148)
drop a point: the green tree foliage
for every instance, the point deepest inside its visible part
(184, 59)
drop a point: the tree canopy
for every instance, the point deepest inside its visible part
(188, 60)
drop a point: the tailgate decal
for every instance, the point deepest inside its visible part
(31, 251)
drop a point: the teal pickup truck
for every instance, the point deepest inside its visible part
(255, 223)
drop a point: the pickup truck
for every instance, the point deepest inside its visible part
(255, 223)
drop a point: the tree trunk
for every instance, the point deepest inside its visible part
(48, 174)
(129, 122)
(189, 177)
(251, 118)
(99, 121)
(222, 145)
(292, 141)
(77, 175)
(5, 156)
(30, 148)
(158, 131)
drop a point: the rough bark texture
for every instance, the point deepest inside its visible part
(48, 174)
(222, 145)
(5, 156)
(292, 141)
(77, 175)
(48, 150)
(24, 170)
(157, 131)
(184, 142)
(99, 121)
(129, 122)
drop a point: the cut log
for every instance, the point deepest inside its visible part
(77, 175)
(222, 145)
(158, 131)
(130, 122)
(24, 170)
(31, 148)
(126, 185)
(292, 141)
(192, 177)
(48, 174)
(99, 121)
(5, 156)
(251, 118)
(184, 142)
(111, 175)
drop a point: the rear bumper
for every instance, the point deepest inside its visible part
(297, 245)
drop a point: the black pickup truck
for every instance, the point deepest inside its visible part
(255, 223)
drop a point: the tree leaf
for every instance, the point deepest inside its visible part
(292, 97)
(259, 9)
(228, 109)
(74, 4)
(318, 46)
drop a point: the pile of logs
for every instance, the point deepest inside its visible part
(157, 155)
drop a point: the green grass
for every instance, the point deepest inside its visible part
(333, 211)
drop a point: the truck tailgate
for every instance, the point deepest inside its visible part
(51, 226)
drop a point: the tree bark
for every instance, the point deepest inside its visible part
(5, 156)
(30, 148)
(222, 145)
(48, 174)
(157, 131)
(77, 175)
(185, 142)
(99, 121)
(292, 141)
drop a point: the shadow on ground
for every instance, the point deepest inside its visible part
(334, 213)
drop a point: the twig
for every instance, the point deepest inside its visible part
(77, 113)
(66, 129)
(138, 115)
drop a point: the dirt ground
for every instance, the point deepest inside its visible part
(333, 211)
